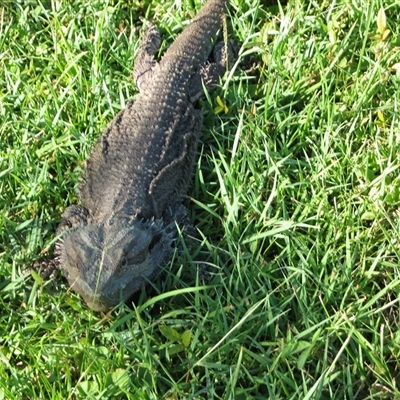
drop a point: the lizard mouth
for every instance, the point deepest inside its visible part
(95, 301)
(113, 292)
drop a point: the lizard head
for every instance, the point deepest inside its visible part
(107, 262)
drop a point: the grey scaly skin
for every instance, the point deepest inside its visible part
(138, 173)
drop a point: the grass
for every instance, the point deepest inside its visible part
(296, 197)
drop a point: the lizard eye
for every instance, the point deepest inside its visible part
(123, 262)
(155, 240)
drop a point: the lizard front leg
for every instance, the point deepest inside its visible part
(72, 217)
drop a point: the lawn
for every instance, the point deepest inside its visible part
(296, 199)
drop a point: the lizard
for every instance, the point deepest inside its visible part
(139, 171)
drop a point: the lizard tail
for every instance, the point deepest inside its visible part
(194, 43)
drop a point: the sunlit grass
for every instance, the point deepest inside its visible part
(296, 198)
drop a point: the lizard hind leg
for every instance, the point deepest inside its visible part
(223, 57)
(145, 62)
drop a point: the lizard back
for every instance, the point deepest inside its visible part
(156, 130)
